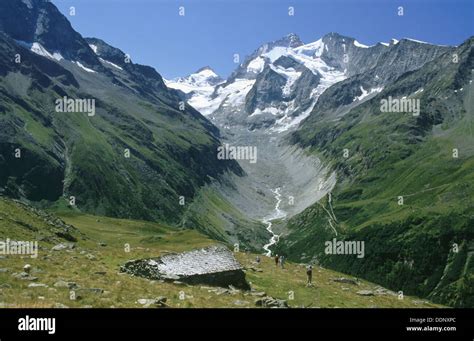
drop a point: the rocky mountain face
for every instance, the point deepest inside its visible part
(133, 153)
(40, 22)
(370, 68)
(252, 65)
(275, 87)
(403, 185)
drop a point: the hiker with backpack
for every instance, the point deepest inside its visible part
(282, 261)
(309, 275)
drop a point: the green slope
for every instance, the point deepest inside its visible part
(172, 152)
(100, 249)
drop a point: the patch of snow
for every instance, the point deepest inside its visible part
(291, 77)
(270, 110)
(392, 42)
(200, 98)
(203, 104)
(367, 93)
(256, 65)
(417, 41)
(57, 56)
(356, 43)
(84, 68)
(312, 49)
(421, 42)
(287, 122)
(93, 47)
(419, 90)
(110, 63)
(234, 93)
(40, 50)
(275, 53)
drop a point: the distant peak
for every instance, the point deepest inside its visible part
(290, 40)
(335, 35)
(203, 77)
(292, 37)
(205, 68)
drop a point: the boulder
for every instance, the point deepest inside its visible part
(27, 268)
(258, 293)
(270, 302)
(60, 306)
(90, 290)
(63, 246)
(345, 280)
(64, 284)
(90, 256)
(241, 302)
(157, 302)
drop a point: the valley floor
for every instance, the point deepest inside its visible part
(102, 247)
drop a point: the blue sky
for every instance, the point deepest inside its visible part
(212, 31)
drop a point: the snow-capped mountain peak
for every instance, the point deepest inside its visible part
(198, 88)
(275, 87)
(205, 76)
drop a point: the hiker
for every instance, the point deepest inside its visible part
(277, 260)
(282, 260)
(257, 259)
(309, 274)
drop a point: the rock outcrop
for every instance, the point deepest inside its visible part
(214, 265)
